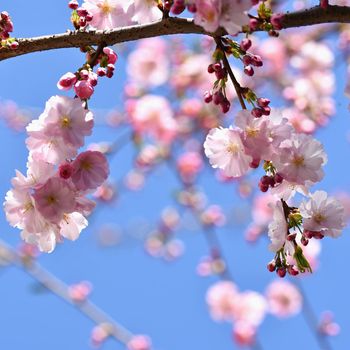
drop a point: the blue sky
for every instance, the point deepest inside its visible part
(145, 294)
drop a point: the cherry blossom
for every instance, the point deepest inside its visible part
(225, 151)
(284, 299)
(324, 214)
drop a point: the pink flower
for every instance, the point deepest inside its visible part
(225, 151)
(67, 81)
(278, 230)
(79, 292)
(244, 333)
(60, 130)
(148, 65)
(84, 89)
(71, 225)
(189, 165)
(109, 14)
(153, 115)
(90, 170)
(54, 199)
(300, 159)
(146, 11)
(323, 214)
(112, 56)
(221, 299)
(284, 299)
(208, 14)
(139, 342)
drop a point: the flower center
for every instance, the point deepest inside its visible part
(65, 122)
(319, 218)
(106, 8)
(232, 148)
(298, 161)
(51, 199)
(85, 165)
(28, 206)
(251, 132)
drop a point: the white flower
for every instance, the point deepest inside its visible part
(300, 160)
(225, 151)
(323, 214)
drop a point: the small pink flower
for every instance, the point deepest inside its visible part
(84, 89)
(284, 299)
(54, 199)
(112, 56)
(139, 342)
(189, 165)
(90, 170)
(67, 81)
(79, 292)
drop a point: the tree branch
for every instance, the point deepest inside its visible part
(167, 26)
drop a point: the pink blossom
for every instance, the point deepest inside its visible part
(45, 239)
(67, 81)
(189, 164)
(54, 199)
(323, 214)
(284, 299)
(212, 14)
(90, 170)
(244, 333)
(146, 11)
(72, 224)
(153, 115)
(79, 292)
(148, 65)
(225, 151)
(300, 159)
(84, 89)
(139, 342)
(112, 56)
(278, 230)
(221, 299)
(109, 14)
(60, 130)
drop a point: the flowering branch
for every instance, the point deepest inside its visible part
(167, 26)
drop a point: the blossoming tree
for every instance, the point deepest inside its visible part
(211, 102)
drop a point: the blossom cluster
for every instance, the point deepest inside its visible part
(247, 309)
(85, 79)
(6, 27)
(292, 162)
(50, 202)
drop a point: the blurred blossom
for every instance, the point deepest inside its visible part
(192, 198)
(244, 333)
(284, 299)
(14, 117)
(327, 325)
(222, 298)
(103, 147)
(210, 266)
(189, 165)
(170, 218)
(213, 215)
(148, 64)
(100, 333)
(139, 342)
(106, 192)
(134, 180)
(79, 292)
(109, 236)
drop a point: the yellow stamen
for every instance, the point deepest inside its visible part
(232, 148)
(319, 218)
(106, 8)
(298, 161)
(65, 121)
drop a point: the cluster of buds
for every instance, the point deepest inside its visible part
(6, 27)
(249, 61)
(80, 16)
(84, 79)
(218, 94)
(269, 181)
(307, 235)
(262, 108)
(178, 6)
(282, 268)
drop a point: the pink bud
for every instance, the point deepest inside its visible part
(256, 112)
(65, 170)
(255, 163)
(83, 89)
(245, 44)
(14, 45)
(208, 97)
(276, 20)
(82, 12)
(253, 24)
(4, 15)
(278, 178)
(281, 272)
(271, 266)
(249, 70)
(112, 56)
(101, 72)
(89, 17)
(225, 106)
(84, 74)
(93, 79)
(211, 69)
(263, 102)
(67, 81)
(73, 4)
(257, 61)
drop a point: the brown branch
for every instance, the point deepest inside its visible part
(167, 26)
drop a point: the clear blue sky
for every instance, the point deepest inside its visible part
(147, 295)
